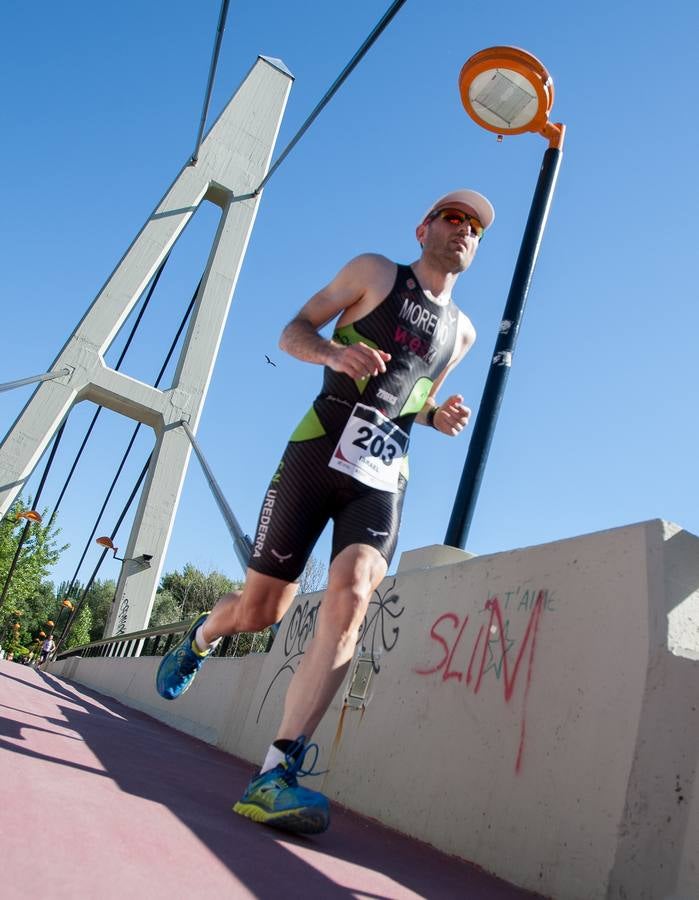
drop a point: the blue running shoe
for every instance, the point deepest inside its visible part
(177, 670)
(275, 798)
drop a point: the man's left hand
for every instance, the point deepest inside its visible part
(452, 416)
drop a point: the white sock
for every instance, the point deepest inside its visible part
(203, 646)
(273, 758)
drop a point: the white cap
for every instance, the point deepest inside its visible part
(472, 199)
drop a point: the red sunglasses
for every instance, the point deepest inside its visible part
(458, 217)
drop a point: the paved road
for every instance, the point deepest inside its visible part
(101, 801)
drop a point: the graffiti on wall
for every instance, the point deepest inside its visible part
(301, 628)
(122, 616)
(378, 633)
(467, 648)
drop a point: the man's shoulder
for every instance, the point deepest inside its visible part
(373, 273)
(466, 333)
(371, 263)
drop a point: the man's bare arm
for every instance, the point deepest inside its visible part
(300, 338)
(451, 416)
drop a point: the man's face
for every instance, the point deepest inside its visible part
(450, 240)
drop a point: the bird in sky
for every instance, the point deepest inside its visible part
(270, 361)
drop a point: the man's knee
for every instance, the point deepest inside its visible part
(262, 606)
(345, 606)
(258, 618)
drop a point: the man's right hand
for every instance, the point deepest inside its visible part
(357, 360)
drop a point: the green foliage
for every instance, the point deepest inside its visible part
(36, 612)
(80, 631)
(182, 595)
(99, 599)
(313, 578)
(165, 610)
(28, 593)
(245, 643)
(16, 649)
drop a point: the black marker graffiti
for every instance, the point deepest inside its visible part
(376, 633)
(376, 622)
(123, 615)
(301, 628)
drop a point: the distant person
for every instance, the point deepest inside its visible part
(398, 335)
(47, 648)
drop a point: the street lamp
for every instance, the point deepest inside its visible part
(507, 91)
(30, 514)
(142, 561)
(65, 604)
(107, 542)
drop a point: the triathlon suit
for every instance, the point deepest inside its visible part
(347, 459)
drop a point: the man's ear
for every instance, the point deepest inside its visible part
(420, 233)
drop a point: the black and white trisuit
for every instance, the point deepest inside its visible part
(347, 459)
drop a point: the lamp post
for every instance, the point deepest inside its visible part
(140, 562)
(67, 605)
(507, 91)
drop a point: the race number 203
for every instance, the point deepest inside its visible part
(371, 449)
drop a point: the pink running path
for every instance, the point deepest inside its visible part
(101, 801)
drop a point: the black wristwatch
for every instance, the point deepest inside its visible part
(429, 418)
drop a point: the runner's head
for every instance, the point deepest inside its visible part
(453, 226)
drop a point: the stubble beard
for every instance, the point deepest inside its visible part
(451, 262)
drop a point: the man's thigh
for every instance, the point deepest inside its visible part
(370, 517)
(296, 507)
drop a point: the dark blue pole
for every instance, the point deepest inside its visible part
(467, 494)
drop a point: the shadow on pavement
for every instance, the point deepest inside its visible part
(198, 784)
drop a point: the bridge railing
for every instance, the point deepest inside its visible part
(158, 641)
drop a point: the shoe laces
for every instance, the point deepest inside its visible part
(295, 759)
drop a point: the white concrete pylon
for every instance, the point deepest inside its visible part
(233, 160)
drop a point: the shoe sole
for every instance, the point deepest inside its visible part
(304, 820)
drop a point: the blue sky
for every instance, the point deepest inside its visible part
(598, 427)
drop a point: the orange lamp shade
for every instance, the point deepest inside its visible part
(30, 514)
(508, 91)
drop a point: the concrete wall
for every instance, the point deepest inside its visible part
(534, 712)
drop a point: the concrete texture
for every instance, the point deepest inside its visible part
(102, 801)
(533, 712)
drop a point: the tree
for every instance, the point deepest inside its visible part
(27, 590)
(99, 598)
(166, 610)
(80, 631)
(184, 594)
(39, 610)
(313, 576)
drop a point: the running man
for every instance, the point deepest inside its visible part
(398, 335)
(47, 648)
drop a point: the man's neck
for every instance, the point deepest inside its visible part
(435, 282)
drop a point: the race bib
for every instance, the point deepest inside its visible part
(371, 449)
